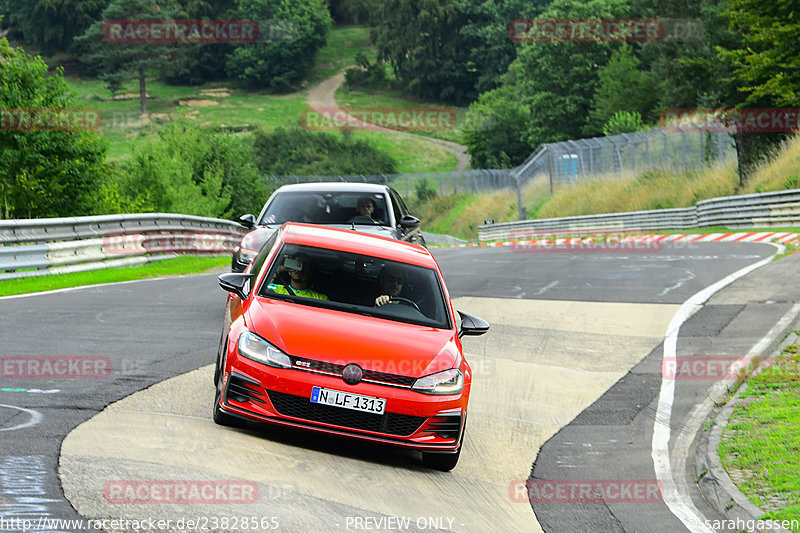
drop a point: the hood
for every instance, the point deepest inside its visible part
(255, 239)
(341, 338)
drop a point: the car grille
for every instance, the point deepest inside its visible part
(301, 407)
(241, 389)
(369, 375)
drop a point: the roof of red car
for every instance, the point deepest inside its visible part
(355, 242)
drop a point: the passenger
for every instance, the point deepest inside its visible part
(299, 268)
(312, 213)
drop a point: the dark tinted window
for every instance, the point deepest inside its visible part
(352, 282)
(325, 208)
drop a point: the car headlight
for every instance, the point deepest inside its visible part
(245, 255)
(445, 382)
(254, 347)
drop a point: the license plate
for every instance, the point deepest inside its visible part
(348, 400)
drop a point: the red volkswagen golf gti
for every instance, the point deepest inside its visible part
(350, 334)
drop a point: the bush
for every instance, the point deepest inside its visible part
(195, 171)
(366, 75)
(623, 122)
(306, 153)
(424, 191)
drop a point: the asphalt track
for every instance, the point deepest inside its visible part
(569, 361)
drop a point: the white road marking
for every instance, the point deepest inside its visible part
(677, 499)
(36, 417)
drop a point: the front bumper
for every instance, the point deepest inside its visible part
(282, 396)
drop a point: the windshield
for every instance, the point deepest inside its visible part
(357, 283)
(327, 208)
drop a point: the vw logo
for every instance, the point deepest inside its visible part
(352, 374)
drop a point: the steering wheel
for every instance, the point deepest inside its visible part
(362, 219)
(406, 301)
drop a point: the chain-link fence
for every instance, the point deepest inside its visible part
(572, 161)
(445, 183)
(565, 163)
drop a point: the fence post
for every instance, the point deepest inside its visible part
(683, 150)
(665, 165)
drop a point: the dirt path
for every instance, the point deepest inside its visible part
(322, 96)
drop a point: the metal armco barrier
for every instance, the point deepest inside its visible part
(764, 210)
(39, 247)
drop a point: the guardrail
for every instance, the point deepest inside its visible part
(763, 210)
(37, 247)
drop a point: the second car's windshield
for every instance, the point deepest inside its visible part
(327, 208)
(357, 283)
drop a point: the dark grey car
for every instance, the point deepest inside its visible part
(330, 204)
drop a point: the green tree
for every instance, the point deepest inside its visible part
(281, 63)
(449, 50)
(43, 173)
(124, 61)
(191, 170)
(768, 61)
(623, 87)
(52, 24)
(550, 84)
(766, 65)
(623, 122)
(197, 63)
(494, 129)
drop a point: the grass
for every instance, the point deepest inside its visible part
(653, 189)
(782, 171)
(236, 110)
(760, 447)
(411, 153)
(460, 214)
(167, 267)
(396, 99)
(340, 51)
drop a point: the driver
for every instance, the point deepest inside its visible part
(390, 283)
(365, 207)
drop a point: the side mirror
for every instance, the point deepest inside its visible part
(234, 282)
(409, 222)
(472, 325)
(248, 221)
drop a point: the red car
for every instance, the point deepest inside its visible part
(350, 334)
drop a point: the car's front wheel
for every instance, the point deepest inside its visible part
(441, 461)
(444, 461)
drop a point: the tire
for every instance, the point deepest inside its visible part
(220, 417)
(223, 342)
(444, 462)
